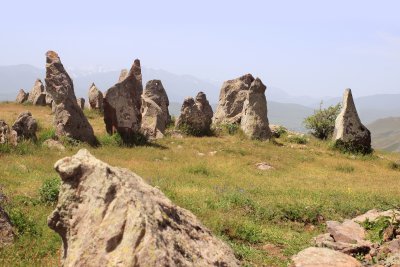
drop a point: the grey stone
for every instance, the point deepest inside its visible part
(81, 102)
(37, 96)
(108, 216)
(6, 231)
(95, 98)
(25, 126)
(69, 119)
(323, 257)
(349, 131)
(22, 96)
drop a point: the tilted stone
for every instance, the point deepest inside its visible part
(69, 119)
(155, 114)
(122, 104)
(95, 98)
(22, 96)
(37, 96)
(108, 216)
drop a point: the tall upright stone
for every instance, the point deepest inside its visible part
(196, 116)
(254, 122)
(69, 119)
(25, 126)
(81, 102)
(37, 95)
(122, 104)
(155, 114)
(22, 97)
(95, 98)
(349, 132)
(232, 96)
(122, 75)
(109, 216)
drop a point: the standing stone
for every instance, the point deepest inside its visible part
(69, 119)
(123, 75)
(37, 96)
(232, 96)
(22, 96)
(49, 100)
(95, 98)
(25, 126)
(196, 115)
(6, 230)
(122, 105)
(81, 102)
(109, 216)
(254, 122)
(155, 114)
(7, 135)
(349, 131)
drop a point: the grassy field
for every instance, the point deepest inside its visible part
(266, 216)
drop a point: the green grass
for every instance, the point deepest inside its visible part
(265, 216)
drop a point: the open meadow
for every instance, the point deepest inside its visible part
(266, 216)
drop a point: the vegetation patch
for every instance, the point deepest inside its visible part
(49, 191)
(344, 168)
(322, 122)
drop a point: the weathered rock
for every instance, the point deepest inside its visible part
(123, 75)
(69, 119)
(196, 115)
(348, 231)
(22, 96)
(95, 98)
(254, 121)
(81, 102)
(25, 126)
(54, 144)
(155, 114)
(49, 100)
(4, 132)
(327, 241)
(232, 96)
(37, 96)
(349, 131)
(373, 215)
(6, 231)
(122, 105)
(263, 166)
(323, 257)
(108, 216)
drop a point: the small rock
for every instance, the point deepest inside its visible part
(347, 232)
(264, 166)
(200, 154)
(323, 257)
(212, 153)
(53, 144)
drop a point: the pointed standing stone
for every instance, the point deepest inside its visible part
(95, 98)
(81, 102)
(37, 96)
(155, 114)
(122, 104)
(254, 122)
(349, 132)
(22, 96)
(69, 119)
(122, 75)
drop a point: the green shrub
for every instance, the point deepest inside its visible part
(46, 134)
(188, 130)
(322, 122)
(297, 139)
(280, 131)
(23, 223)
(350, 147)
(49, 191)
(111, 140)
(199, 170)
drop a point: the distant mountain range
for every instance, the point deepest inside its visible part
(283, 108)
(386, 134)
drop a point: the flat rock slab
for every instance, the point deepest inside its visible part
(323, 257)
(347, 232)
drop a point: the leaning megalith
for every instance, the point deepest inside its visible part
(37, 95)
(155, 114)
(349, 132)
(122, 104)
(109, 216)
(22, 97)
(69, 119)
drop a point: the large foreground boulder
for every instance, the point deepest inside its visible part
(108, 216)
(95, 98)
(22, 96)
(323, 257)
(122, 104)
(25, 126)
(155, 114)
(37, 95)
(69, 119)
(349, 132)
(232, 96)
(196, 115)
(254, 122)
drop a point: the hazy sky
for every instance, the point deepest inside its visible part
(304, 47)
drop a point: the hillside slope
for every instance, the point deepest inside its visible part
(386, 134)
(265, 216)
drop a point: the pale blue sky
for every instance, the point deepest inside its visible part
(304, 47)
